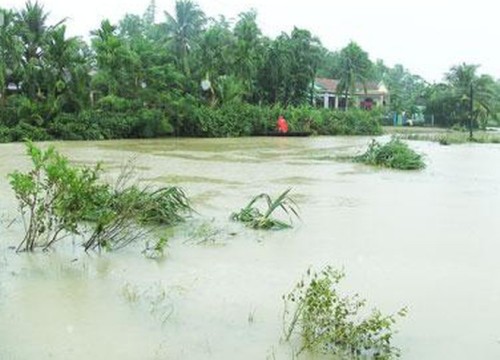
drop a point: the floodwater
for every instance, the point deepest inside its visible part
(426, 240)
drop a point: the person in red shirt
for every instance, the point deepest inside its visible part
(281, 125)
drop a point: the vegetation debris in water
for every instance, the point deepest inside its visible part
(256, 218)
(332, 323)
(395, 154)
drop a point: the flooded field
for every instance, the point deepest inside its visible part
(426, 240)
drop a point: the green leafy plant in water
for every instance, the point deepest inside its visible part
(395, 154)
(253, 217)
(331, 323)
(57, 200)
(53, 197)
(126, 213)
(157, 250)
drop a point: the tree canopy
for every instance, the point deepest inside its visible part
(167, 67)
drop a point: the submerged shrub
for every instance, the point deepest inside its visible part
(395, 154)
(53, 197)
(256, 218)
(57, 200)
(332, 323)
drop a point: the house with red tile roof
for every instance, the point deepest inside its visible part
(366, 96)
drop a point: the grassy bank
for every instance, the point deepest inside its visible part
(444, 136)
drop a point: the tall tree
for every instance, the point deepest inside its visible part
(32, 30)
(355, 68)
(67, 71)
(472, 93)
(183, 28)
(11, 50)
(116, 63)
(248, 52)
(305, 59)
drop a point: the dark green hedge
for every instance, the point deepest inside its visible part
(114, 119)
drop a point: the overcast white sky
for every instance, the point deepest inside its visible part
(426, 36)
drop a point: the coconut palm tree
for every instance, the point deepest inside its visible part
(182, 29)
(10, 51)
(66, 70)
(33, 33)
(474, 95)
(355, 68)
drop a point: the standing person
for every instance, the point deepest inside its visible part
(281, 125)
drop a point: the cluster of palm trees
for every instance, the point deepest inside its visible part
(465, 98)
(161, 63)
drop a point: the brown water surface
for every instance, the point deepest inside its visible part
(424, 239)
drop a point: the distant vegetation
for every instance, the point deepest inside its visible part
(456, 137)
(394, 154)
(188, 75)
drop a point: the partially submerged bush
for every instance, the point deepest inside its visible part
(252, 216)
(331, 323)
(395, 154)
(53, 197)
(57, 200)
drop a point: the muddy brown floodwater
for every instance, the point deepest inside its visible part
(427, 240)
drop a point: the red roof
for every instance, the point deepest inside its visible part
(330, 85)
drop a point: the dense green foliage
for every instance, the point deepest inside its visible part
(394, 154)
(147, 77)
(57, 199)
(256, 218)
(465, 99)
(332, 323)
(188, 75)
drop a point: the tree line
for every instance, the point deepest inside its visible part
(188, 74)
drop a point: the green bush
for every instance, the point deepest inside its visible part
(112, 103)
(74, 127)
(151, 123)
(332, 323)
(53, 197)
(57, 200)
(5, 134)
(241, 119)
(395, 154)
(233, 119)
(351, 122)
(23, 131)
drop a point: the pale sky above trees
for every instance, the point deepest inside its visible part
(426, 36)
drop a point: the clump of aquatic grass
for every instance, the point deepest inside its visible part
(155, 298)
(126, 213)
(332, 323)
(258, 218)
(157, 249)
(395, 154)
